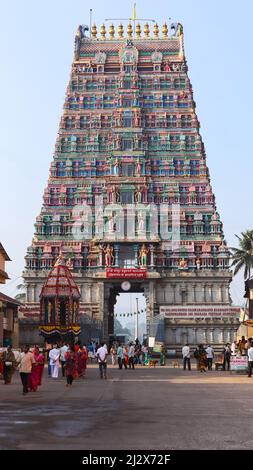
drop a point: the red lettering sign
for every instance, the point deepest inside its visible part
(118, 273)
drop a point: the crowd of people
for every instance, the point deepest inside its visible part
(72, 360)
(128, 355)
(31, 360)
(205, 355)
(30, 364)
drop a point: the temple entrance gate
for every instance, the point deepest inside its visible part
(113, 288)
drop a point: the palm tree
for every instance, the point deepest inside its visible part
(243, 256)
(21, 297)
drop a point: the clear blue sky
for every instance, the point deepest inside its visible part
(36, 46)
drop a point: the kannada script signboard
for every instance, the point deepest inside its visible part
(118, 273)
(198, 312)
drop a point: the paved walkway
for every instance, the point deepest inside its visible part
(146, 408)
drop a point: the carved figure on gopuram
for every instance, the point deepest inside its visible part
(70, 263)
(111, 224)
(138, 196)
(117, 142)
(109, 257)
(138, 167)
(116, 167)
(143, 255)
(198, 263)
(183, 264)
(166, 67)
(141, 223)
(115, 196)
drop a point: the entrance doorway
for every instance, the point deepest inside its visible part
(122, 301)
(130, 316)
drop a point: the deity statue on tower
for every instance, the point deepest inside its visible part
(111, 224)
(141, 222)
(191, 196)
(60, 261)
(183, 264)
(118, 142)
(138, 195)
(138, 167)
(198, 263)
(167, 66)
(136, 120)
(116, 167)
(115, 195)
(70, 263)
(109, 258)
(136, 142)
(143, 254)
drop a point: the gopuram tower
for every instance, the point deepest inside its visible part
(129, 195)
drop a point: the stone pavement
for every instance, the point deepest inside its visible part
(146, 408)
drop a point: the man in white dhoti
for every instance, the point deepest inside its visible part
(54, 356)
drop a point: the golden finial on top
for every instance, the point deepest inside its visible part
(120, 31)
(111, 31)
(78, 32)
(156, 30)
(146, 30)
(129, 30)
(103, 31)
(165, 30)
(138, 30)
(94, 31)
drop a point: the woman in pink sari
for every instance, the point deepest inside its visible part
(35, 376)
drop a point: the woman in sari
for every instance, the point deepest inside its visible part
(71, 369)
(1, 363)
(125, 354)
(82, 356)
(41, 362)
(202, 359)
(9, 365)
(35, 376)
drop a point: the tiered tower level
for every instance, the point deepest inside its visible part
(129, 134)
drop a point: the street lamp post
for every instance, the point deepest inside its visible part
(136, 324)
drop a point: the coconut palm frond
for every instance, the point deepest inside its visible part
(20, 286)
(242, 257)
(246, 272)
(238, 266)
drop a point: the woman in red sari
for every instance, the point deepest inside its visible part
(82, 357)
(41, 362)
(1, 363)
(35, 376)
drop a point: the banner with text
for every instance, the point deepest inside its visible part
(199, 312)
(118, 273)
(239, 364)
